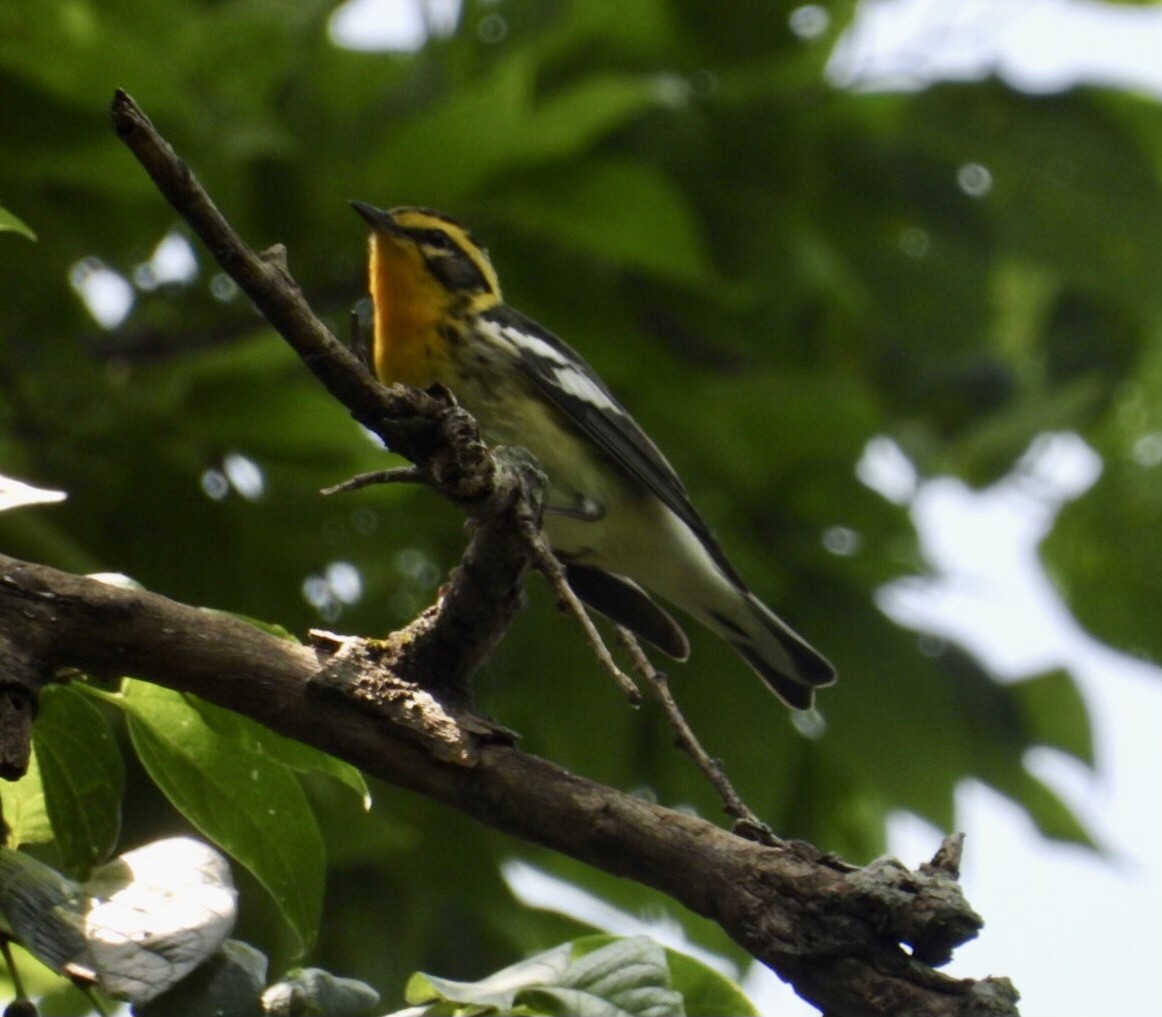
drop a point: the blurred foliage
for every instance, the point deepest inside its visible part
(771, 270)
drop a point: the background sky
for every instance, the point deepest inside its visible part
(1080, 934)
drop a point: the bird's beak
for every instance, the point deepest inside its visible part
(376, 218)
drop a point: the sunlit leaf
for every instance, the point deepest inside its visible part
(136, 927)
(15, 493)
(603, 976)
(250, 805)
(155, 914)
(24, 812)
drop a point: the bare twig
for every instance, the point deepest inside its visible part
(547, 564)
(543, 558)
(747, 824)
(394, 475)
(426, 427)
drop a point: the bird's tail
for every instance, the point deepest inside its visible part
(780, 656)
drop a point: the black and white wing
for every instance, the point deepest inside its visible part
(574, 388)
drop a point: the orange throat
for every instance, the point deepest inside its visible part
(406, 314)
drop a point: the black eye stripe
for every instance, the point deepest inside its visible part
(458, 273)
(451, 255)
(435, 238)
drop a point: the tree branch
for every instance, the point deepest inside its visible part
(746, 823)
(837, 933)
(834, 932)
(425, 427)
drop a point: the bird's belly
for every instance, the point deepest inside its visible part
(585, 490)
(631, 532)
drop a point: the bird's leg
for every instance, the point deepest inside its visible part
(583, 508)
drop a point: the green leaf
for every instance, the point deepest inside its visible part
(624, 212)
(1055, 714)
(706, 992)
(255, 739)
(1051, 159)
(247, 803)
(82, 774)
(1049, 812)
(41, 908)
(312, 992)
(501, 123)
(498, 989)
(598, 976)
(626, 976)
(1105, 549)
(23, 808)
(563, 1002)
(10, 224)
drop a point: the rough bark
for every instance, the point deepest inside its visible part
(837, 933)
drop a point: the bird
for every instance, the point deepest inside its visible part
(616, 514)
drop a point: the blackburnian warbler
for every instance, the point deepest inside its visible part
(616, 513)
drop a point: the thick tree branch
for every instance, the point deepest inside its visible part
(833, 931)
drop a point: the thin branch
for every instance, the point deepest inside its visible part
(552, 569)
(394, 475)
(425, 427)
(13, 970)
(542, 556)
(834, 933)
(747, 824)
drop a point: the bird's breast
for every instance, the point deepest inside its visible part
(408, 346)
